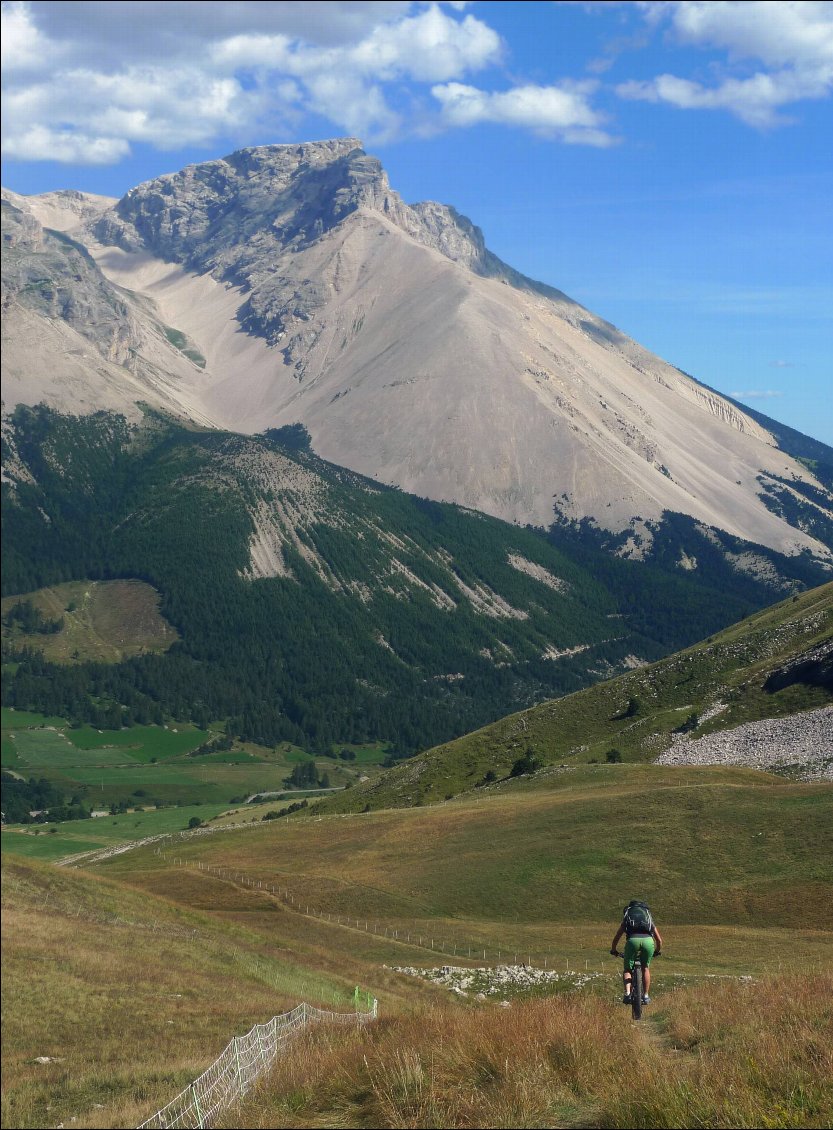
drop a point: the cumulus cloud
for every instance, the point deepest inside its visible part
(562, 111)
(98, 114)
(84, 81)
(790, 45)
(38, 143)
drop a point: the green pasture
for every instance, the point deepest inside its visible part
(112, 765)
(12, 719)
(42, 749)
(366, 755)
(9, 758)
(31, 740)
(54, 841)
(176, 782)
(143, 742)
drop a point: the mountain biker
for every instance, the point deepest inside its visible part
(643, 943)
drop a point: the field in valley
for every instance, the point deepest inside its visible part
(146, 766)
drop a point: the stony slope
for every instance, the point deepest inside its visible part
(412, 354)
(70, 337)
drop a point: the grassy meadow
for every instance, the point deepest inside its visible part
(147, 963)
(103, 621)
(711, 847)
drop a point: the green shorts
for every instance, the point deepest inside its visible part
(638, 948)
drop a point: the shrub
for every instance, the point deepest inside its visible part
(526, 764)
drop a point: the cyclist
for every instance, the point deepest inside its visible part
(643, 942)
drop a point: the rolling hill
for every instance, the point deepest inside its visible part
(777, 663)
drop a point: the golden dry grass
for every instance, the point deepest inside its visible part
(753, 1055)
(102, 999)
(713, 846)
(127, 995)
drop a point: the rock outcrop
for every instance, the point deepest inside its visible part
(49, 274)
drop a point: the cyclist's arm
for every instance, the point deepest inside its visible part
(616, 937)
(658, 937)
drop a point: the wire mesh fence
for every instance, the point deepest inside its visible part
(241, 1064)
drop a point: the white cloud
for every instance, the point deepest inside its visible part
(793, 39)
(22, 46)
(166, 107)
(430, 47)
(41, 144)
(345, 83)
(796, 33)
(98, 77)
(562, 111)
(133, 30)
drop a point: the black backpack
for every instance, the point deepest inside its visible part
(637, 919)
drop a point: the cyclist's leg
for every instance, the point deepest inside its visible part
(646, 952)
(630, 956)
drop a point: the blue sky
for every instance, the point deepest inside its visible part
(670, 165)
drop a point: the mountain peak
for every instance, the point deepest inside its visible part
(287, 284)
(278, 198)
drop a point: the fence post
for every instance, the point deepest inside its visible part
(200, 1122)
(237, 1064)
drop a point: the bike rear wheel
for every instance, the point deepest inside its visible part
(637, 991)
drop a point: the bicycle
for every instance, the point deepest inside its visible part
(637, 986)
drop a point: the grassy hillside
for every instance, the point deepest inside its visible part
(106, 621)
(129, 996)
(715, 685)
(314, 606)
(137, 1004)
(711, 846)
(548, 863)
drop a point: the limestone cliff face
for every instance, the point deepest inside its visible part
(49, 274)
(246, 217)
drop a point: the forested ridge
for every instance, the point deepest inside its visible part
(369, 634)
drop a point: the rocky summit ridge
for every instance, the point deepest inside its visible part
(289, 284)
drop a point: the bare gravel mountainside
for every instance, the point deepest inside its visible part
(290, 283)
